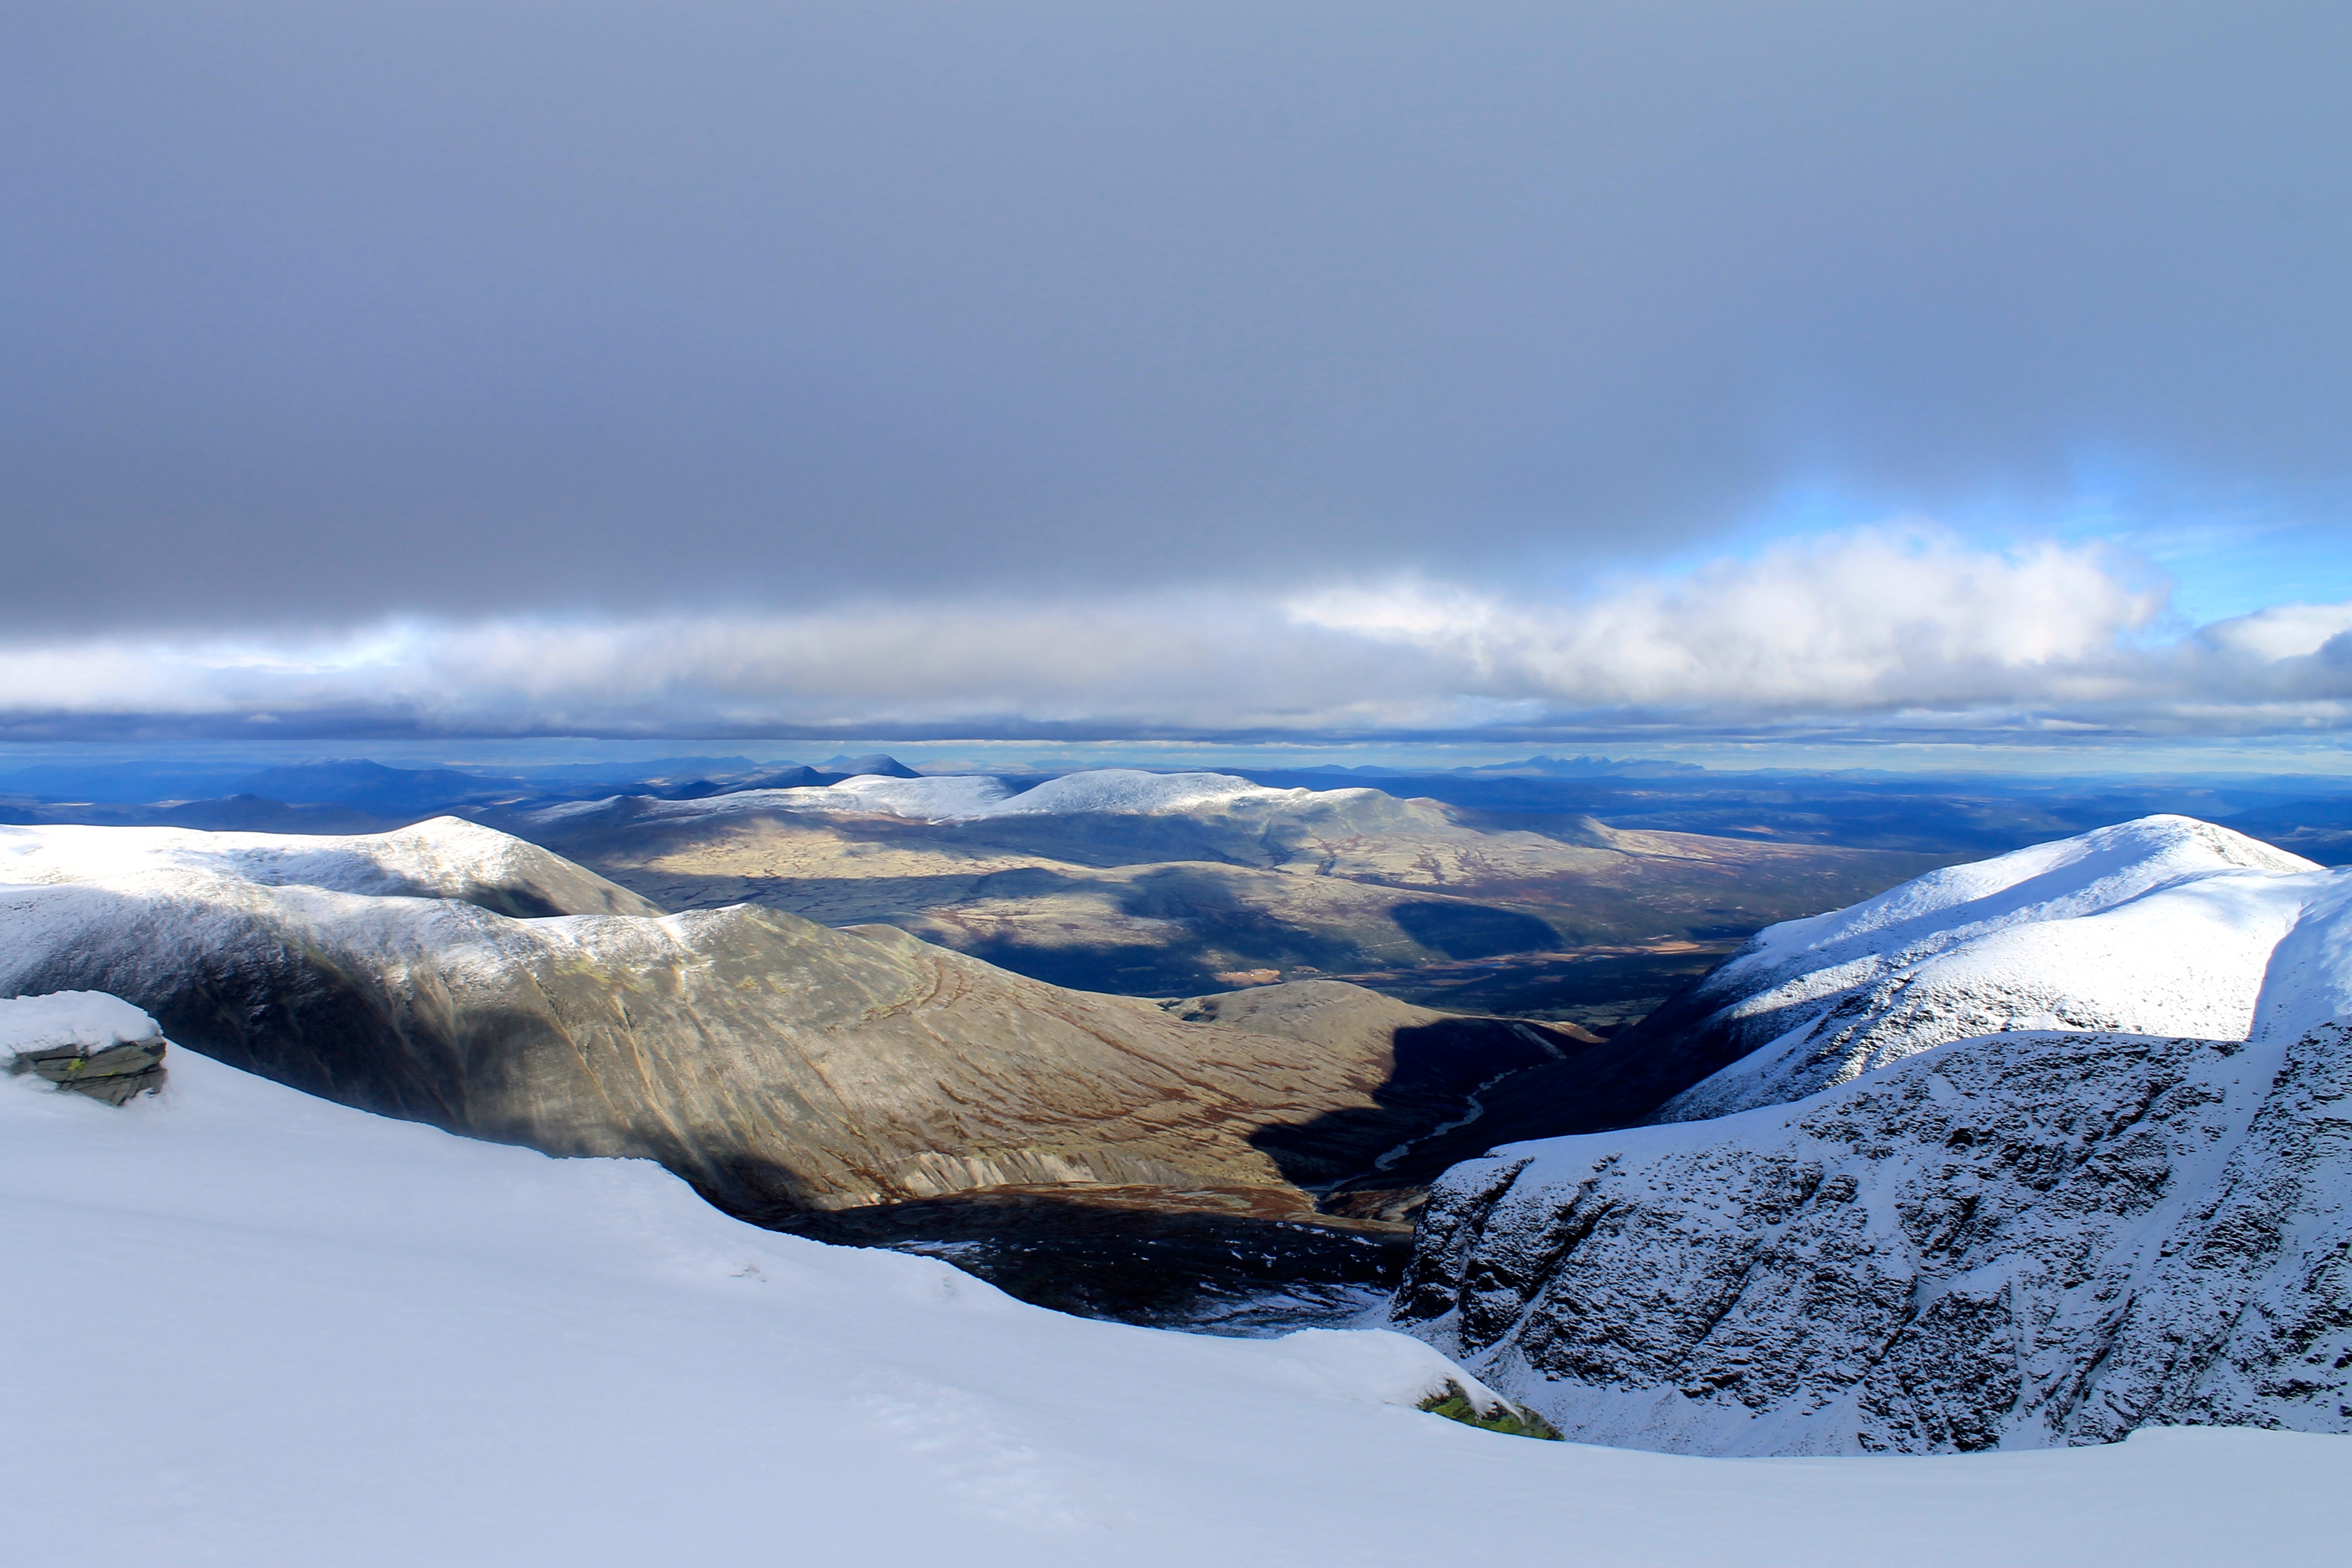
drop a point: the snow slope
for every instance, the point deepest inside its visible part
(443, 858)
(249, 1327)
(91, 1019)
(2166, 925)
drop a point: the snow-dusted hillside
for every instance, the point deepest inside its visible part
(772, 1060)
(252, 1327)
(2166, 925)
(443, 858)
(2052, 1232)
(969, 797)
(1164, 884)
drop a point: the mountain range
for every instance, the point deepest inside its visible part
(1159, 884)
(2037, 1150)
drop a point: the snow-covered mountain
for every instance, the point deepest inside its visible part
(248, 1326)
(2008, 1222)
(967, 798)
(455, 975)
(2166, 925)
(445, 858)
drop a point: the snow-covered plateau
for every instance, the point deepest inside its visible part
(2073, 1159)
(247, 1326)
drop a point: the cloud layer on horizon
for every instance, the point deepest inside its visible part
(1901, 631)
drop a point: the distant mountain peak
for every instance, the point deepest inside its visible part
(874, 762)
(1588, 767)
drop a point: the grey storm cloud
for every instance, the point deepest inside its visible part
(321, 312)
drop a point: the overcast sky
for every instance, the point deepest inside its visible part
(1129, 369)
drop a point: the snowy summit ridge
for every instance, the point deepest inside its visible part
(970, 797)
(2165, 925)
(2065, 1159)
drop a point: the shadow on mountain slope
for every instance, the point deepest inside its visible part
(1137, 1255)
(1438, 1073)
(1473, 930)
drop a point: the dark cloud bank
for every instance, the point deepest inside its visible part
(341, 309)
(490, 324)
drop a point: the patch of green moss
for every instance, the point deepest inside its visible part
(1511, 1421)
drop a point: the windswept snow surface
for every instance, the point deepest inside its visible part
(2166, 925)
(967, 798)
(250, 1327)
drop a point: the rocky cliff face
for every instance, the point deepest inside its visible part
(452, 974)
(2032, 1236)
(2027, 1240)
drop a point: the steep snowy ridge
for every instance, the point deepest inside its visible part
(2308, 980)
(2042, 1234)
(443, 858)
(2068, 876)
(2166, 925)
(254, 1327)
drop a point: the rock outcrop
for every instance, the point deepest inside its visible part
(84, 1042)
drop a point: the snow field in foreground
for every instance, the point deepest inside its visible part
(251, 1327)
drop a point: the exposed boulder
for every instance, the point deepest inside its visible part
(2164, 925)
(84, 1042)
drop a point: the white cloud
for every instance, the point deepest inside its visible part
(1893, 628)
(1866, 620)
(2281, 632)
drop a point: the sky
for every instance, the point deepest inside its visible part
(1657, 377)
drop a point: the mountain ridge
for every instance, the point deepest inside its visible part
(1888, 1227)
(457, 975)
